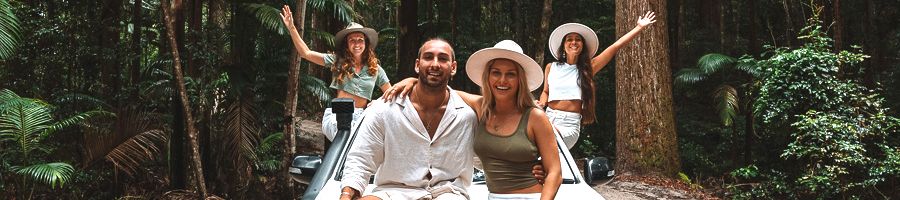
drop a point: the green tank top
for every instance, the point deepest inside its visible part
(507, 160)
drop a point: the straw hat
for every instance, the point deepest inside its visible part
(591, 43)
(507, 49)
(354, 27)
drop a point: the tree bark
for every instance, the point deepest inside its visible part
(838, 26)
(182, 93)
(109, 43)
(645, 125)
(135, 71)
(290, 105)
(546, 12)
(409, 38)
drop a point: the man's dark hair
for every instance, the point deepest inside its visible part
(452, 52)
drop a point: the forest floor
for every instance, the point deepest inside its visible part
(636, 188)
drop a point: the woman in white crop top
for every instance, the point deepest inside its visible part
(568, 93)
(354, 67)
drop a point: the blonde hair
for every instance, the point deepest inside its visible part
(524, 99)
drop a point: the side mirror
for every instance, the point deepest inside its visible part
(598, 168)
(304, 167)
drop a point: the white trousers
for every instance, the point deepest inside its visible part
(329, 122)
(566, 124)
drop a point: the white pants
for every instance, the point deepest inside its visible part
(566, 124)
(528, 196)
(329, 122)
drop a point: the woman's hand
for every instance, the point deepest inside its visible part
(400, 89)
(287, 17)
(647, 19)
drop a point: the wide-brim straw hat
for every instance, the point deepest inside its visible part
(371, 34)
(507, 49)
(591, 43)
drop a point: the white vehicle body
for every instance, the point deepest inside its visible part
(573, 185)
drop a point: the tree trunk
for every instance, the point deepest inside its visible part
(546, 12)
(645, 125)
(135, 71)
(838, 26)
(290, 105)
(753, 38)
(789, 25)
(109, 42)
(409, 38)
(182, 93)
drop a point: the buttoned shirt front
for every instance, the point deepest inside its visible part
(393, 142)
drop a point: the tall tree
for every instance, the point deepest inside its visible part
(645, 125)
(409, 37)
(168, 15)
(290, 104)
(546, 12)
(109, 41)
(134, 72)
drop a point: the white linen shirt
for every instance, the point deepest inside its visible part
(392, 140)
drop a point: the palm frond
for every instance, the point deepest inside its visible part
(323, 36)
(341, 9)
(727, 104)
(70, 98)
(689, 76)
(241, 132)
(266, 146)
(9, 30)
(714, 62)
(267, 16)
(749, 67)
(22, 123)
(315, 87)
(53, 174)
(78, 118)
(269, 142)
(130, 141)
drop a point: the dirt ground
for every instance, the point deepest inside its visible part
(638, 188)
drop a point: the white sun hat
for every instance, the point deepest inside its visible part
(507, 49)
(354, 27)
(591, 43)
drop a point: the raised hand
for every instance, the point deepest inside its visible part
(647, 19)
(287, 17)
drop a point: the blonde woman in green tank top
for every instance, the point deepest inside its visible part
(512, 132)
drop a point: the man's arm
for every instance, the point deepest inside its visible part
(366, 153)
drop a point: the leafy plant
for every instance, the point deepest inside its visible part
(27, 122)
(9, 30)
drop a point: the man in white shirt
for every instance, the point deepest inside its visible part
(421, 145)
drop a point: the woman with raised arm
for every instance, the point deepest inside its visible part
(354, 67)
(568, 87)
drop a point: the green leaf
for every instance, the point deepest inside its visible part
(9, 30)
(727, 104)
(267, 16)
(714, 62)
(53, 174)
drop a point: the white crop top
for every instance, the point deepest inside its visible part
(562, 82)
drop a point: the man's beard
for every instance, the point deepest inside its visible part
(438, 82)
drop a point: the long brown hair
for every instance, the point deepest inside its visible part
(585, 80)
(524, 99)
(343, 66)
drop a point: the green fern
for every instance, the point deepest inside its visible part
(712, 63)
(268, 16)
(315, 87)
(9, 30)
(341, 9)
(53, 174)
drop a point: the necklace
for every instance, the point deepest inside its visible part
(496, 125)
(430, 115)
